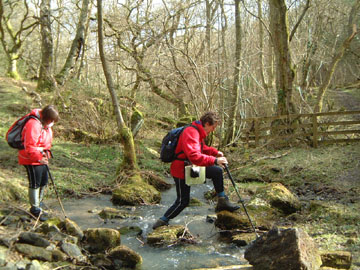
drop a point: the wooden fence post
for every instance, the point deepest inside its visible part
(315, 130)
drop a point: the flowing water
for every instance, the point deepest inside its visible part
(209, 250)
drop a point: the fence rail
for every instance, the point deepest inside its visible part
(317, 128)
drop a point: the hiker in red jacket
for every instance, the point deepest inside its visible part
(192, 148)
(37, 137)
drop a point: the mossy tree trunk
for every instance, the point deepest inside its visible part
(279, 28)
(76, 46)
(129, 162)
(11, 38)
(46, 81)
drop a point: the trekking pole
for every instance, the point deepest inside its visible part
(242, 202)
(57, 194)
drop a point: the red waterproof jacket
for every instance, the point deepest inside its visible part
(36, 139)
(191, 142)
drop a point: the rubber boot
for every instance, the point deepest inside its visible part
(160, 223)
(41, 197)
(225, 204)
(34, 198)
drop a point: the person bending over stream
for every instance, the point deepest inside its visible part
(37, 137)
(192, 149)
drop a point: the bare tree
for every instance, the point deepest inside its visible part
(231, 123)
(12, 39)
(77, 45)
(351, 29)
(129, 161)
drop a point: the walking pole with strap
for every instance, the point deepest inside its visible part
(57, 194)
(242, 202)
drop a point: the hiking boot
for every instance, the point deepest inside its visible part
(36, 212)
(225, 204)
(160, 223)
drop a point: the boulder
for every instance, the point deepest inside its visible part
(284, 249)
(101, 239)
(126, 256)
(336, 259)
(278, 196)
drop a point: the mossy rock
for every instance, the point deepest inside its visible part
(336, 259)
(73, 229)
(52, 224)
(101, 239)
(127, 256)
(156, 181)
(230, 221)
(243, 239)
(130, 230)
(112, 213)
(165, 235)
(136, 193)
(195, 202)
(278, 196)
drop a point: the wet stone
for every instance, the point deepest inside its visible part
(101, 239)
(126, 256)
(73, 229)
(73, 251)
(34, 252)
(34, 239)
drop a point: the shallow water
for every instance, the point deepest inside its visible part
(208, 251)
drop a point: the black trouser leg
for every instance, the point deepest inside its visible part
(215, 173)
(182, 199)
(38, 179)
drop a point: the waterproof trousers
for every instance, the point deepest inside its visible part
(38, 179)
(215, 173)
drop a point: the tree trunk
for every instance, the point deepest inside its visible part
(129, 162)
(261, 47)
(328, 76)
(76, 47)
(284, 72)
(234, 98)
(46, 81)
(12, 71)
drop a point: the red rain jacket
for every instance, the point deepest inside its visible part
(191, 142)
(36, 139)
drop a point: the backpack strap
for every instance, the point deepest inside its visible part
(181, 152)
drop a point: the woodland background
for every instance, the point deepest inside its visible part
(181, 58)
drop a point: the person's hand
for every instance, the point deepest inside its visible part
(222, 161)
(44, 160)
(220, 154)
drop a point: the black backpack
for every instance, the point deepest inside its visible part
(13, 135)
(169, 143)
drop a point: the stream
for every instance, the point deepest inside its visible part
(209, 250)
